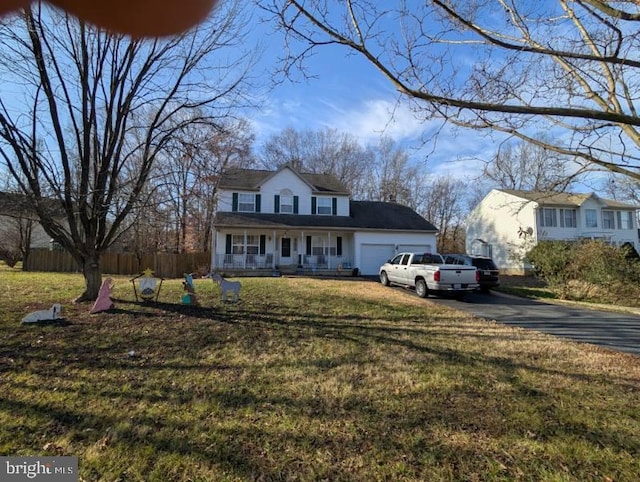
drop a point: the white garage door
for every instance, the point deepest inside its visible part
(415, 248)
(372, 256)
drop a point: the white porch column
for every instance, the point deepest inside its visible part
(329, 250)
(214, 246)
(244, 250)
(273, 250)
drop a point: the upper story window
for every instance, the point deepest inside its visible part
(625, 219)
(324, 205)
(608, 219)
(286, 203)
(244, 202)
(591, 218)
(568, 218)
(548, 217)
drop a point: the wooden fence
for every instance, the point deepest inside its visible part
(163, 265)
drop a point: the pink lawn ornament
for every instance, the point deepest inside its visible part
(104, 302)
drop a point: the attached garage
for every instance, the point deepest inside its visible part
(415, 248)
(372, 256)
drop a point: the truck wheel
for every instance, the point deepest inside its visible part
(384, 279)
(421, 288)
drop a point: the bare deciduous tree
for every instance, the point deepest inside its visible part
(531, 168)
(443, 205)
(567, 68)
(84, 114)
(187, 177)
(391, 176)
(325, 151)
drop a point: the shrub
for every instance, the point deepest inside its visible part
(586, 269)
(550, 260)
(10, 256)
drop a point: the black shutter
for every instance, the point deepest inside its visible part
(258, 199)
(276, 203)
(295, 204)
(263, 244)
(334, 206)
(314, 202)
(234, 202)
(308, 245)
(339, 246)
(227, 249)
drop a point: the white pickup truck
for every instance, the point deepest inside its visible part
(427, 273)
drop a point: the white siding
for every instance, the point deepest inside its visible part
(286, 180)
(364, 242)
(496, 220)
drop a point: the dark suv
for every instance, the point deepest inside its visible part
(489, 272)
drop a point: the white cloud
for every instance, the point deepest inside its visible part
(447, 150)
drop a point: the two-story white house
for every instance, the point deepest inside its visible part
(290, 221)
(507, 222)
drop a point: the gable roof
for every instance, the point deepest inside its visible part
(550, 198)
(374, 215)
(252, 179)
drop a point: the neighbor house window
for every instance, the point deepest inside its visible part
(568, 218)
(591, 218)
(548, 217)
(608, 220)
(625, 219)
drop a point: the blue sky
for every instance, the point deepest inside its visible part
(350, 95)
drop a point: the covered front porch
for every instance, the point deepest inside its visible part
(256, 252)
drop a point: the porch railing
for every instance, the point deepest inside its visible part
(266, 261)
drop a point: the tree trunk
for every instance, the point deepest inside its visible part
(92, 272)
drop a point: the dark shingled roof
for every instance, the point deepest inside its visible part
(251, 179)
(364, 215)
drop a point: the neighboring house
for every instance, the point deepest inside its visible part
(508, 222)
(17, 214)
(294, 221)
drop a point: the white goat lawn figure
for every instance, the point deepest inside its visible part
(227, 287)
(44, 315)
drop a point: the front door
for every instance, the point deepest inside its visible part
(285, 251)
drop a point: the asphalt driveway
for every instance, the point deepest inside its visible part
(617, 331)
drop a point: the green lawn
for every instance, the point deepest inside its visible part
(306, 379)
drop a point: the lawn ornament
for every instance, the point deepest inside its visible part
(103, 302)
(227, 287)
(44, 315)
(148, 286)
(189, 297)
